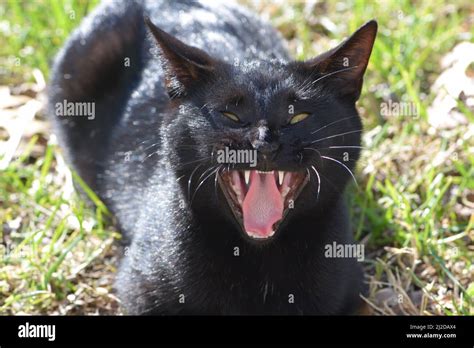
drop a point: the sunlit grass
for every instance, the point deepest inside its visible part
(55, 245)
(32, 31)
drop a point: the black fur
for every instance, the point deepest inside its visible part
(157, 123)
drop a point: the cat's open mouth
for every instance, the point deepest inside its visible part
(261, 200)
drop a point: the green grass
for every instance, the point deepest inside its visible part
(52, 240)
(32, 31)
(413, 209)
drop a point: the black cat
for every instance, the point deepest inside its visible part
(208, 235)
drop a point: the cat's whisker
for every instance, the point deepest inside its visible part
(312, 149)
(333, 147)
(144, 141)
(330, 182)
(191, 178)
(306, 85)
(343, 147)
(342, 164)
(215, 182)
(305, 81)
(319, 181)
(202, 182)
(150, 155)
(333, 73)
(152, 145)
(206, 172)
(335, 122)
(336, 135)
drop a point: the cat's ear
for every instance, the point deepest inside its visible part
(184, 65)
(344, 65)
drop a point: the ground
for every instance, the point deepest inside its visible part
(412, 209)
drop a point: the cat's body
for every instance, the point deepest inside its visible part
(146, 156)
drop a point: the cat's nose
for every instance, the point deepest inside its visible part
(264, 142)
(266, 150)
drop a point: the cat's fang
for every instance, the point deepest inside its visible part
(247, 176)
(281, 174)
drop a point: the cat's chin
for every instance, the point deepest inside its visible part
(261, 200)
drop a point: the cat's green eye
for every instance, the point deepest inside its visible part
(231, 116)
(298, 118)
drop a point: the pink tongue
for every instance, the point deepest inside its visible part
(262, 206)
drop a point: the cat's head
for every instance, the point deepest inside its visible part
(278, 139)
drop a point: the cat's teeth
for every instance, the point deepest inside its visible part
(247, 176)
(281, 174)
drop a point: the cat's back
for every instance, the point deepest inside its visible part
(224, 29)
